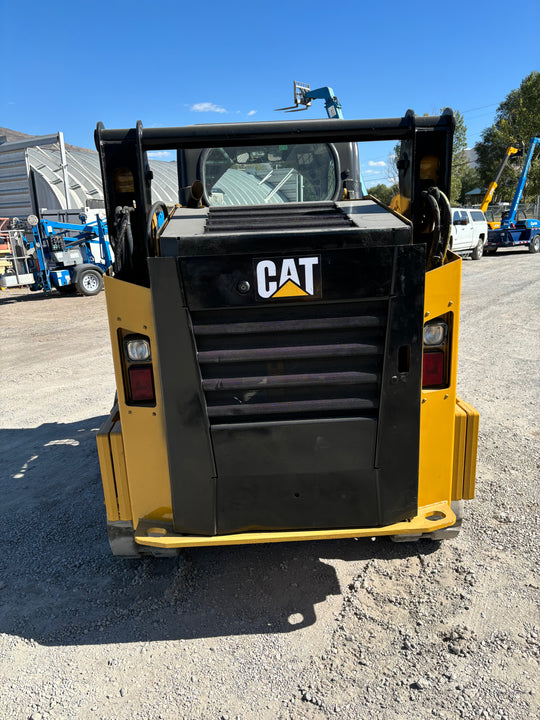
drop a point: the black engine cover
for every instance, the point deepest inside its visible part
(292, 380)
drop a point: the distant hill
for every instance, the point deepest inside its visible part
(15, 136)
(472, 157)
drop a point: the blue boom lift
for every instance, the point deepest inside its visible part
(304, 95)
(517, 232)
(68, 256)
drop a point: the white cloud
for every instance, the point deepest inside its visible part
(379, 163)
(207, 107)
(252, 112)
(160, 154)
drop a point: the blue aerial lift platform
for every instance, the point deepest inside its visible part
(69, 256)
(513, 231)
(304, 95)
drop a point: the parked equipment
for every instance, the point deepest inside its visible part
(493, 186)
(4, 237)
(514, 232)
(62, 256)
(303, 95)
(14, 270)
(285, 350)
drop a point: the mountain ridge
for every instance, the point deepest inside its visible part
(16, 136)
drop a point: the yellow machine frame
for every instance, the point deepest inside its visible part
(133, 455)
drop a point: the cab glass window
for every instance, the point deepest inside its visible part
(270, 174)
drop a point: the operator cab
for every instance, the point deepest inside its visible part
(270, 174)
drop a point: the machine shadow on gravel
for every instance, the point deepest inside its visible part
(8, 298)
(59, 584)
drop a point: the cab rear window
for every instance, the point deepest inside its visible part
(270, 174)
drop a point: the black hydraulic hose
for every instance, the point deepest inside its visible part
(437, 219)
(123, 243)
(151, 237)
(446, 222)
(442, 240)
(430, 220)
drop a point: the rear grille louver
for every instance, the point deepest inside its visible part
(323, 361)
(324, 215)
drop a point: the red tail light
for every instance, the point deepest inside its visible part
(433, 369)
(141, 384)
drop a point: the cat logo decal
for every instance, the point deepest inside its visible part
(286, 278)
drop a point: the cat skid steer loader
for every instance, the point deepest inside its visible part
(285, 349)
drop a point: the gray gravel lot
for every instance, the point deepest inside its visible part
(338, 629)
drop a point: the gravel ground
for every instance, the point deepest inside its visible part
(345, 629)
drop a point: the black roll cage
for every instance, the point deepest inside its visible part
(425, 162)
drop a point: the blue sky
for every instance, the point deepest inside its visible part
(67, 65)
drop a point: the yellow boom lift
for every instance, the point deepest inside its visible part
(488, 197)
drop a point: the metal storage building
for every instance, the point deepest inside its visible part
(34, 173)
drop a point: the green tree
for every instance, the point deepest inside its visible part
(517, 120)
(470, 179)
(460, 161)
(383, 192)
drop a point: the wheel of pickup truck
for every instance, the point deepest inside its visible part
(478, 250)
(534, 245)
(89, 282)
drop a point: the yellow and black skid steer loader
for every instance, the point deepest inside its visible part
(285, 348)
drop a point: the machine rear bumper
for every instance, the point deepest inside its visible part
(160, 535)
(157, 536)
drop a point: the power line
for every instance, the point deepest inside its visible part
(481, 115)
(369, 179)
(482, 107)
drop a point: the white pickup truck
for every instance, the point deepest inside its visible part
(469, 232)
